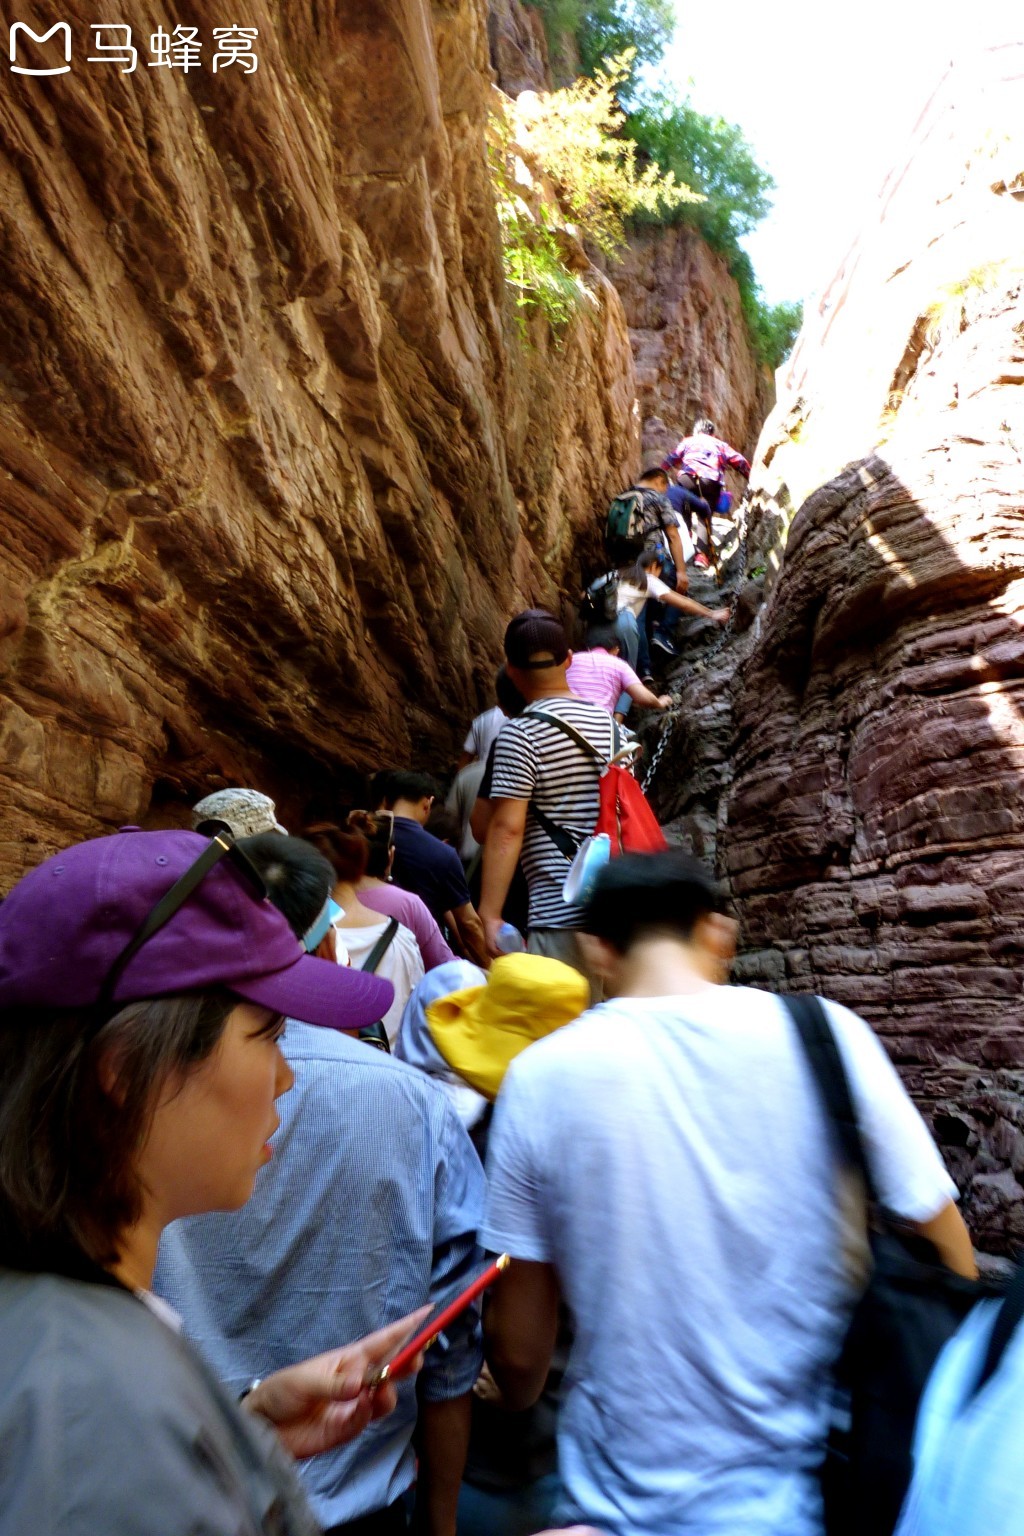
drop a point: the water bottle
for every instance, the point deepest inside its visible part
(510, 940)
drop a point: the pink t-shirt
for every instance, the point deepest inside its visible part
(392, 901)
(599, 677)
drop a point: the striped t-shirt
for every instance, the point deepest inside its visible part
(535, 761)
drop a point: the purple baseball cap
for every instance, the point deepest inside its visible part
(65, 923)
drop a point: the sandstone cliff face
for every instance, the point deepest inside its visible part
(693, 356)
(855, 759)
(519, 51)
(275, 467)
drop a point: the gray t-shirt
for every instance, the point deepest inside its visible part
(111, 1425)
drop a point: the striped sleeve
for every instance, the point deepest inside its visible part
(514, 773)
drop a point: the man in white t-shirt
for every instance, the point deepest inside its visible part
(665, 1166)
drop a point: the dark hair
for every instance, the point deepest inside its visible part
(603, 635)
(443, 824)
(703, 427)
(378, 827)
(346, 852)
(653, 472)
(297, 875)
(640, 894)
(408, 784)
(69, 1186)
(645, 559)
(510, 700)
(380, 789)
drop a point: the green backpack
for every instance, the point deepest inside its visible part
(628, 525)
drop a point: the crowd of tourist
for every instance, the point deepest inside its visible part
(269, 1094)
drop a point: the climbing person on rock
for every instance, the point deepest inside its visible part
(600, 675)
(701, 461)
(684, 504)
(642, 516)
(638, 583)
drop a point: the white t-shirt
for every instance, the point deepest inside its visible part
(402, 964)
(671, 1159)
(633, 596)
(483, 731)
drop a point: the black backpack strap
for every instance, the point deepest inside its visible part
(567, 843)
(826, 1064)
(1007, 1320)
(381, 947)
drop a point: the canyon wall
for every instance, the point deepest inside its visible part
(853, 759)
(275, 462)
(690, 343)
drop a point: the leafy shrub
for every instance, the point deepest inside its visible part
(572, 136)
(714, 157)
(575, 136)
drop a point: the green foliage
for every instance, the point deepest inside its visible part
(559, 162)
(575, 136)
(603, 29)
(713, 156)
(535, 267)
(609, 27)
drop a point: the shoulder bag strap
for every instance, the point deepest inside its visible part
(567, 730)
(381, 947)
(826, 1064)
(1007, 1320)
(567, 843)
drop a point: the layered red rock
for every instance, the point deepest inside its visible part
(862, 787)
(690, 341)
(276, 463)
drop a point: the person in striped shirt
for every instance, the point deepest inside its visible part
(540, 774)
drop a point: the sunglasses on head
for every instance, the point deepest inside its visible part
(221, 846)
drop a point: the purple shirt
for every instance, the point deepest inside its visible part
(392, 901)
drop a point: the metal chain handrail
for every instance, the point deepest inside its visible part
(672, 716)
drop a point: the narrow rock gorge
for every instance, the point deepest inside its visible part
(277, 461)
(852, 759)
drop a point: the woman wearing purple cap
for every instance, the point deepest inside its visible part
(143, 984)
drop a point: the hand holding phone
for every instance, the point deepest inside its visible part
(398, 1365)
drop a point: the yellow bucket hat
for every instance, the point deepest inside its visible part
(480, 1030)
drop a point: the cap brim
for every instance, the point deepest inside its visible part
(316, 991)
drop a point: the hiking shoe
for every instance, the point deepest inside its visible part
(661, 643)
(647, 680)
(701, 560)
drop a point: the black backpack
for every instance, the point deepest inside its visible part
(600, 601)
(912, 1305)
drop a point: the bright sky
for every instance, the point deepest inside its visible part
(825, 94)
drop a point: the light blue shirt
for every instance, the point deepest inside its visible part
(369, 1208)
(669, 1157)
(969, 1448)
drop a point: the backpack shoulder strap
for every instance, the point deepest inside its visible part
(567, 730)
(1007, 1320)
(565, 841)
(381, 947)
(826, 1065)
